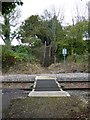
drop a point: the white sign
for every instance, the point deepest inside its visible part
(64, 51)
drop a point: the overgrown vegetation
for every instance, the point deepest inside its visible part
(29, 60)
(46, 37)
(19, 54)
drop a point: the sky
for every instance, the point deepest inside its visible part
(67, 7)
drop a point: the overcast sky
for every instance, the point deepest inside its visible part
(68, 7)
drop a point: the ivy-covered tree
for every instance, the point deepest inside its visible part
(8, 7)
(9, 14)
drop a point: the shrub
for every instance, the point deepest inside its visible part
(8, 57)
(21, 54)
(24, 53)
(23, 49)
(37, 43)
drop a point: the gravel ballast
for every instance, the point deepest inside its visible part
(62, 76)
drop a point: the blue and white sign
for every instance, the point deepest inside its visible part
(64, 51)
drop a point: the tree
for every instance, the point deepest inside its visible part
(89, 33)
(10, 21)
(76, 31)
(74, 36)
(10, 15)
(8, 7)
(29, 28)
(35, 26)
(89, 18)
(54, 20)
(47, 28)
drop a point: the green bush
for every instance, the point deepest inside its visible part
(8, 57)
(23, 49)
(37, 43)
(21, 54)
(24, 57)
(24, 53)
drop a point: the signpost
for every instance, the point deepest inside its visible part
(64, 52)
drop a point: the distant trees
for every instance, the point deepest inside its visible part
(48, 28)
(34, 27)
(74, 36)
(54, 36)
(54, 20)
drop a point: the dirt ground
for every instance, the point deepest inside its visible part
(48, 107)
(28, 68)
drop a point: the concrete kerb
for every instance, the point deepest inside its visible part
(49, 94)
(58, 85)
(40, 77)
(34, 84)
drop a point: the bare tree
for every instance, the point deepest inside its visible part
(81, 13)
(49, 14)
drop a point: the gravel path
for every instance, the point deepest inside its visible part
(62, 76)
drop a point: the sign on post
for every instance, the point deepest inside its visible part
(64, 52)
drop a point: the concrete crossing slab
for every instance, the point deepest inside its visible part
(46, 86)
(48, 94)
(43, 77)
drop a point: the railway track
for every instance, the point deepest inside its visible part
(74, 87)
(74, 83)
(66, 85)
(13, 89)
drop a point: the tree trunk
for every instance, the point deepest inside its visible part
(6, 30)
(55, 52)
(44, 50)
(55, 58)
(47, 53)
